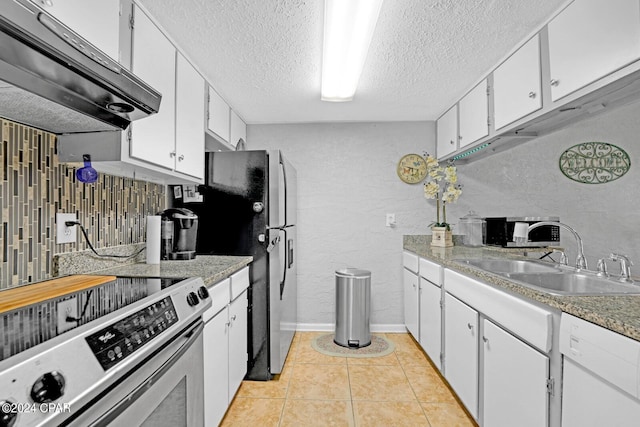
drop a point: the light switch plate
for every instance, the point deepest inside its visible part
(65, 234)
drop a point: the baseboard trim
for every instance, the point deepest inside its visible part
(330, 327)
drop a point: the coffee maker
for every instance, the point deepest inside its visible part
(178, 235)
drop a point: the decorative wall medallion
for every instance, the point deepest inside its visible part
(594, 162)
(412, 168)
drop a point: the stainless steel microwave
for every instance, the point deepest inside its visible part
(499, 232)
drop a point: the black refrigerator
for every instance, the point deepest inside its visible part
(249, 208)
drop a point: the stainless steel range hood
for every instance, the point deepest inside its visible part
(54, 80)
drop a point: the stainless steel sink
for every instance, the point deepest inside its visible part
(553, 278)
(575, 283)
(502, 266)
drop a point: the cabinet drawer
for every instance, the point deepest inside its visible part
(410, 261)
(239, 282)
(531, 323)
(430, 271)
(219, 293)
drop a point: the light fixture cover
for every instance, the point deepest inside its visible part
(348, 29)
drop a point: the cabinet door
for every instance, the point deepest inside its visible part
(590, 39)
(461, 351)
(238, 129)
(216, 373)
(447, 132)
(237, 343)
(516, 85)
(431, 321)
(190, 120)
(515, 381)
(411, 303)
(219, 115)
(474, 115)
(95, 20)
(154, 61)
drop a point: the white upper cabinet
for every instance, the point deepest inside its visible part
(474, 115)
(238, 129)
(590, 39)
(154, 61)
(516, 85)
(447, 132)
(219, 115)
(95, 20)
(190, 120)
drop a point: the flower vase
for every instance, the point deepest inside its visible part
(441, 237)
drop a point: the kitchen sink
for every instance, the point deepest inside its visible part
(575, 283)
(508, 266)
(553, 278)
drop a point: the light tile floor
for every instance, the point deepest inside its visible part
(401, 389)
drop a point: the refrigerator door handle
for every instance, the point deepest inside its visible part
(273, 243)
(284, 267)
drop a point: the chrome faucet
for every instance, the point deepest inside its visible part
(581, 261)
(625, 267)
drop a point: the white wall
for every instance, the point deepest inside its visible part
(526, 180)
(347, 183)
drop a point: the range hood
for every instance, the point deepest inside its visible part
(54, 80)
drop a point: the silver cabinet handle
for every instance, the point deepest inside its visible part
(485, 339)
(554, 82)
(532, 95)
(181, 157)
(470, 326)
(452, 142)
(233, 318)
(172, 154)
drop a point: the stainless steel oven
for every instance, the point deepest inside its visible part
(140, 364)
(166, 390)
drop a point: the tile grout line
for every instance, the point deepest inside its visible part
(413, 390)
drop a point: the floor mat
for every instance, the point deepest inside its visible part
(379, 346)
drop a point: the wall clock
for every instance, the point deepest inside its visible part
(412, 168)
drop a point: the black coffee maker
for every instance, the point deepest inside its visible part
(178, 235)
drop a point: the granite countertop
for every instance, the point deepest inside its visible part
(212, 268)
(620, 313)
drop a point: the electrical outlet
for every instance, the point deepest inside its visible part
(65, 234)
(391, 220)
(67, 308)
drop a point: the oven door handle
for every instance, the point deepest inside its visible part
(191, 336)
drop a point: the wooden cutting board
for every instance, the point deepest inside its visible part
(23, 296)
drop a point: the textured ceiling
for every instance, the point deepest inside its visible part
(264, 56)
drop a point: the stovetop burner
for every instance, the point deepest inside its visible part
(35, 324)
(120, 324)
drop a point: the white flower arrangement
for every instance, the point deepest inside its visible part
(441, 185)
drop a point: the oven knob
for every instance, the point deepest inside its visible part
(7, 416)
(48, 388)
(192, 299)
(203, 292)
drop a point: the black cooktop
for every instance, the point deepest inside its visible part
(29, 326)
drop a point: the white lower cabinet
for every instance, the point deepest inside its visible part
(461, 351)
(431, 320)
(514, 387)
(225, 346)
(237, 343)
(411, 293)
(216, 360)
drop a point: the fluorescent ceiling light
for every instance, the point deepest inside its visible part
(348, 29)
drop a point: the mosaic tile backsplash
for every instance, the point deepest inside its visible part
(34, 186)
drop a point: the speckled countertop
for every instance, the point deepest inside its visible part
(212, 268)
(617, 313)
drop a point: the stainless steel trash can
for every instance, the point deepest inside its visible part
(353, 306)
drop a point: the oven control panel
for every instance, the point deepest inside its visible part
(113, 344)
